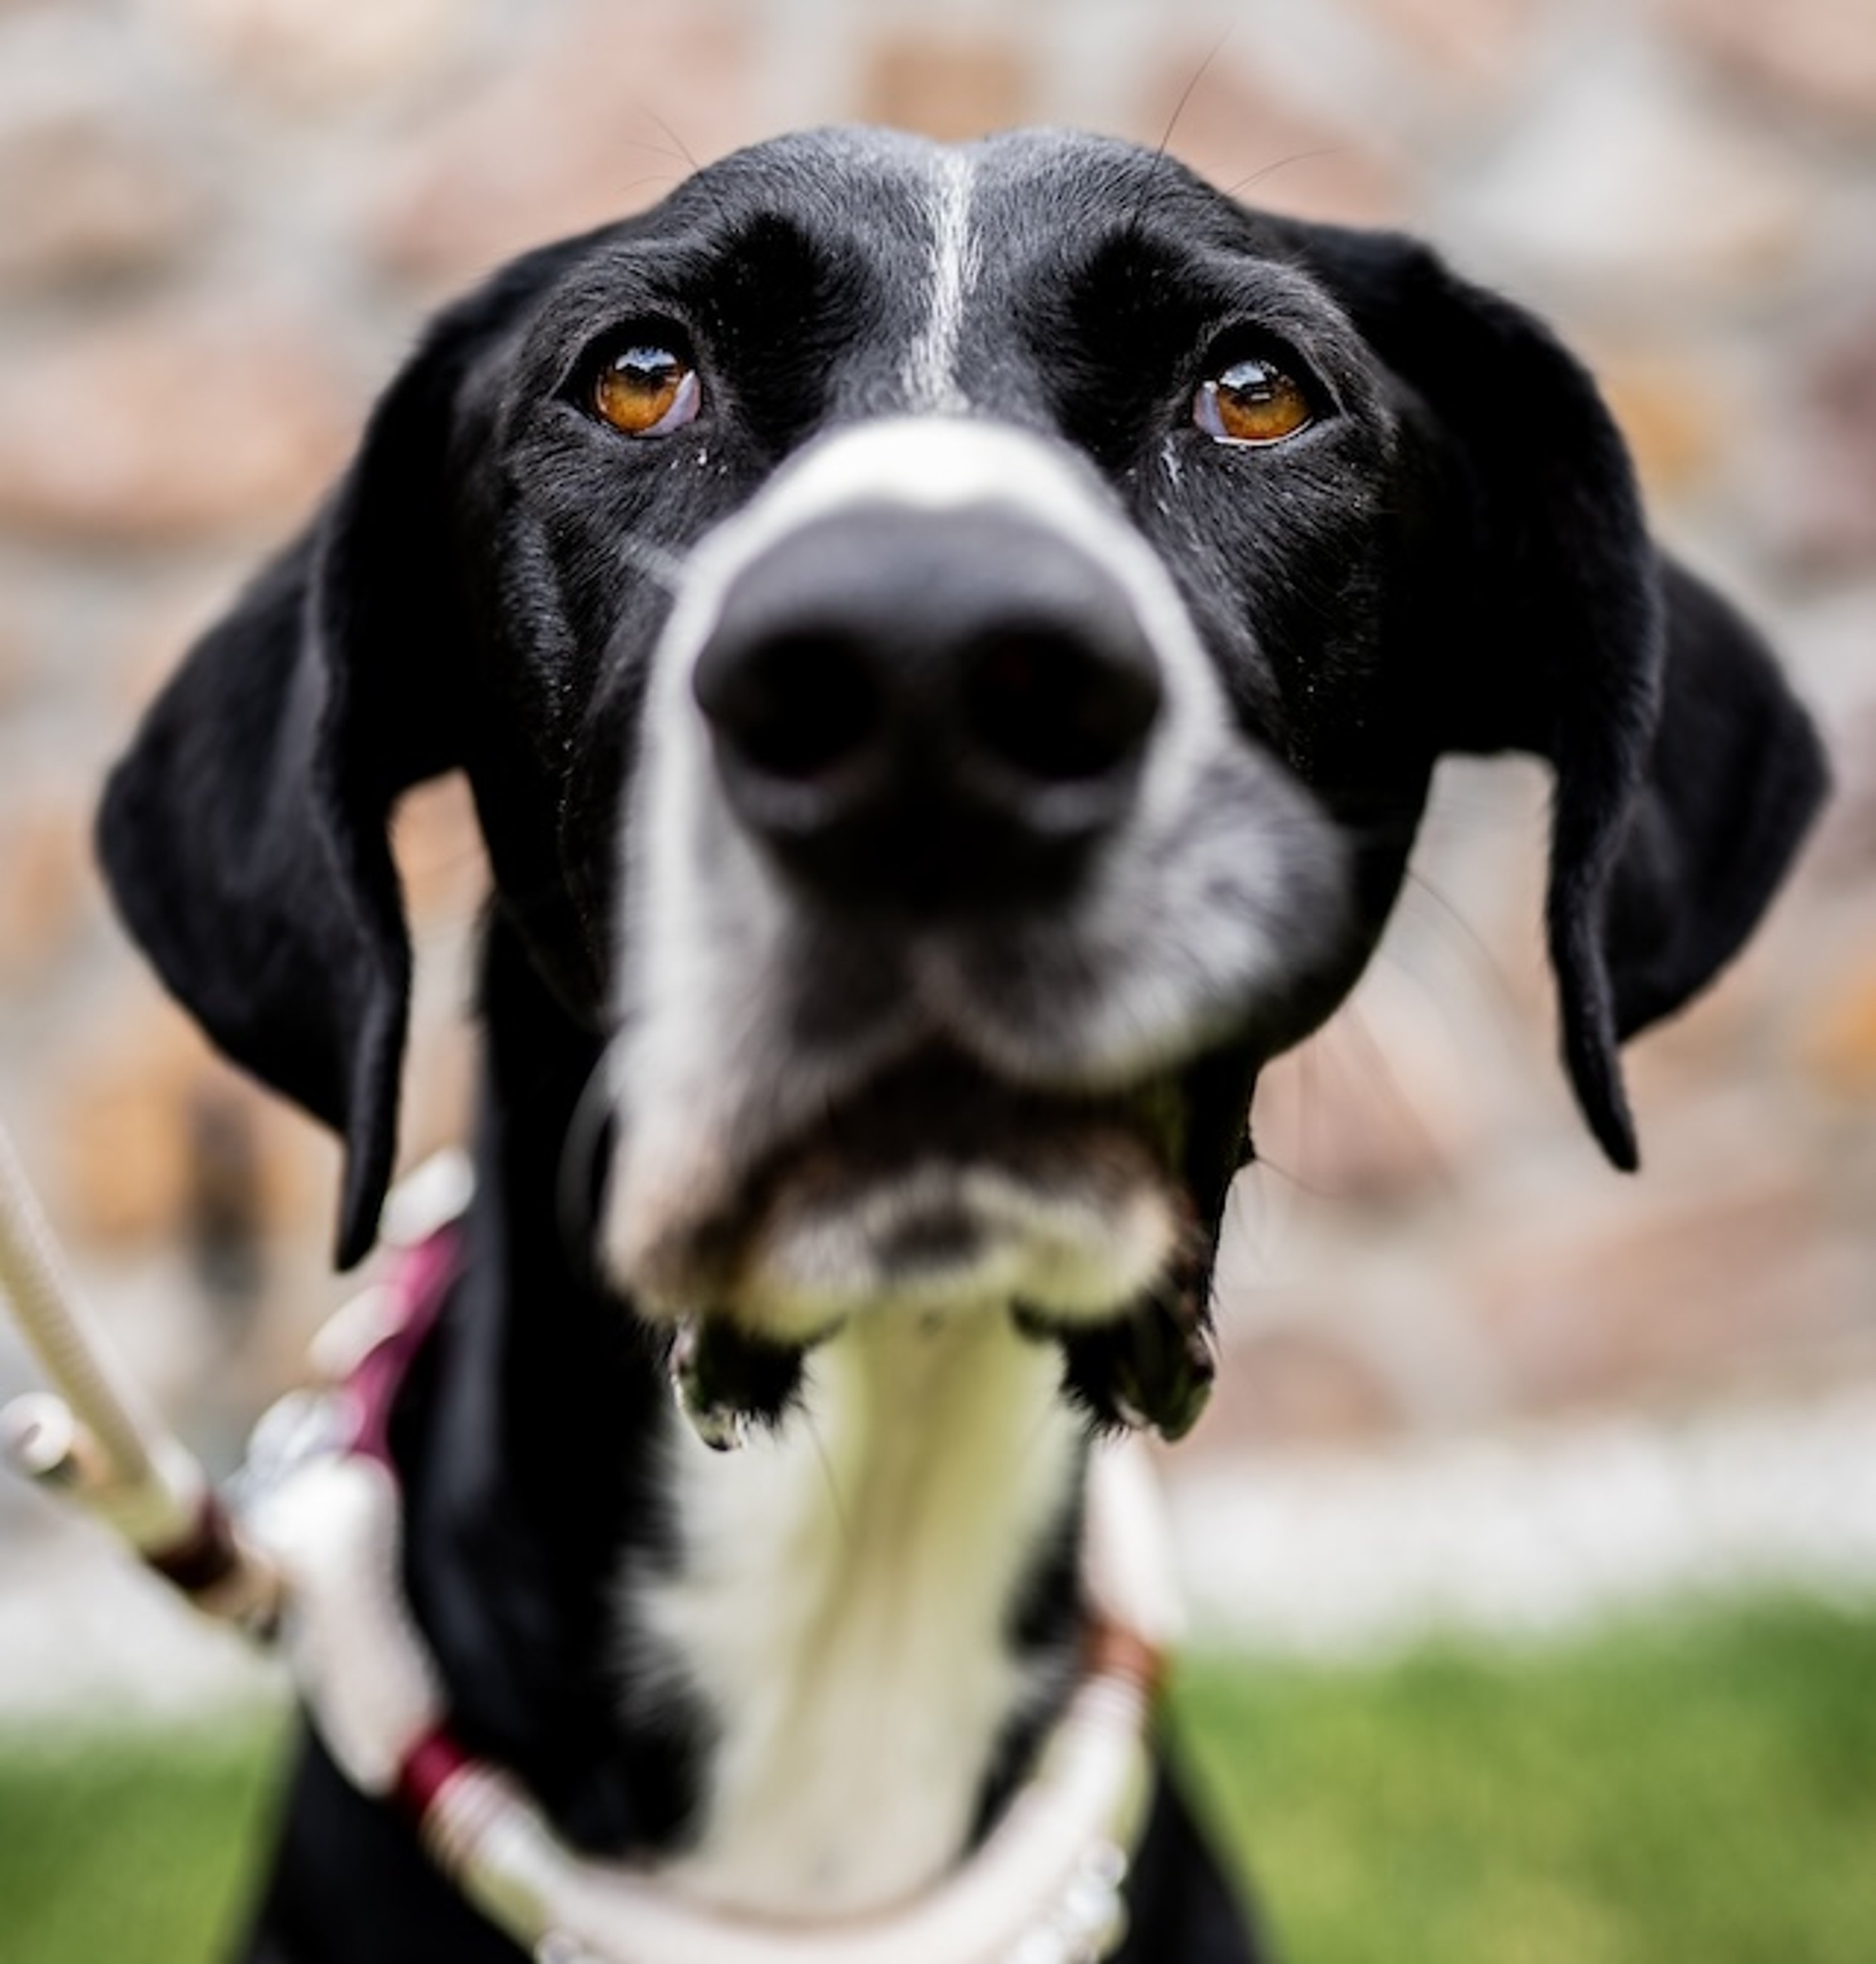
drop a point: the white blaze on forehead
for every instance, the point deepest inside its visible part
(931, 372)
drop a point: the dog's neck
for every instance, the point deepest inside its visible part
(665, 1642)
(846, 1603)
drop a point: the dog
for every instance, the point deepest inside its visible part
(949, 646)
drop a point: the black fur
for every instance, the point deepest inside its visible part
(1456, 560)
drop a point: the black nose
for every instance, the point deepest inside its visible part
(937, 709)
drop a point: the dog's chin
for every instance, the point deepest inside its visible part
(935, 1188)
(1070, 1243)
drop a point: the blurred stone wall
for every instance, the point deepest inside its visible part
(221, 220)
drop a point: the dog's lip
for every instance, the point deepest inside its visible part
(940, 1101)
(940, 1105)
(936, 1105)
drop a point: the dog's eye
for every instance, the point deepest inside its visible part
(646, 391)
(1252, 401)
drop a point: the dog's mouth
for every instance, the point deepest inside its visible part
(935, 1185)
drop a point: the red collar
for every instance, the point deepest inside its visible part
(403, 1311)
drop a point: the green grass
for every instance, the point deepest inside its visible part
(1702, 1789)
(135, 1850)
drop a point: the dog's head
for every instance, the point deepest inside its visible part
(949, 647)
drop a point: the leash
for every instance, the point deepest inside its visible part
(101, 1444)
(307, 1549)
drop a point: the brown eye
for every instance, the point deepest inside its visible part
(1253, 401)
(647, 391)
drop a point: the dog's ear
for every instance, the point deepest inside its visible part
(244, 836)
(1647, 908)
(1686, 772)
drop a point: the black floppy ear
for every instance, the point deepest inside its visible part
(1687, 774)
(244, 836)
(1735, 774)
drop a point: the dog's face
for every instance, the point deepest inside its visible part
(984, 782)
(949, 646)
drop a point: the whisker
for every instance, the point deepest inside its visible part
(672, 150)
(842, 1521)
(1473, 946)
(1191, 89)
(447, 861)
(1360, 1034)
(667, 178)
(1046, 1408)
(1172, 122)
(1309, 1080)
(1292, 1179)
(683, 149)
(1284, 163)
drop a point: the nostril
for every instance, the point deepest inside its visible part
(796, 706)
(1050, 706)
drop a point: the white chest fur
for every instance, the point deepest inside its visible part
(842, 1605)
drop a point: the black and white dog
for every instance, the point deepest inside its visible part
(949, 646)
